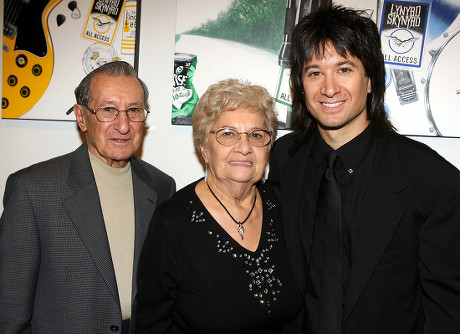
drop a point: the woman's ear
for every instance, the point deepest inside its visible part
(204, 154)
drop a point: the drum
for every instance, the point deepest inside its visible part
(442, 87)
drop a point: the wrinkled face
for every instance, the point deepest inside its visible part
(241, 162)
(112, 142)
(336, 90)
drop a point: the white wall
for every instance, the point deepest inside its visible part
(170, 148)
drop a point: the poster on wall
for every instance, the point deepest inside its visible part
(49, 46)
(242, 39)
(402, 30)
(421, 43)
(210, 47)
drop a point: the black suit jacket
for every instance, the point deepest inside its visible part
(405, 276)
(56, 271)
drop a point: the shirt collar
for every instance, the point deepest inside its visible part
(351, 154)
(355, 151)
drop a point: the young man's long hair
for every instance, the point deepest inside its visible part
(351, 33)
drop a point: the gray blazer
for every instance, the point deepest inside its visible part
(56, 271)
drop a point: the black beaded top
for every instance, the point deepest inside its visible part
(207, 281)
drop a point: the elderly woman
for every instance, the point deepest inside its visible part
(214, 259)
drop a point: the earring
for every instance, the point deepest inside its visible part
(206, 174)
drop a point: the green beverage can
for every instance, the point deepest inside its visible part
(184, 96)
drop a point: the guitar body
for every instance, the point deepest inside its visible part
(28, 57)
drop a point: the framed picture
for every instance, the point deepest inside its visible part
(50, 45)
(421, 43)
(240, 39)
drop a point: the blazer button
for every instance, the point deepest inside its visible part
(114, 328)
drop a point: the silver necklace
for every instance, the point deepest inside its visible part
(240, 224)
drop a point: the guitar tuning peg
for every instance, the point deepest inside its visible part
(60, 19)
(74, 8)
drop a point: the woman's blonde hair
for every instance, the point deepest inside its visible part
(229, 95)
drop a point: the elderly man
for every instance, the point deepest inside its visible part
(73, 227)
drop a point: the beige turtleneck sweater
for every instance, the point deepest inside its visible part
(115, 187)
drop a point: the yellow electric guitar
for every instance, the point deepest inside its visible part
(28, 57)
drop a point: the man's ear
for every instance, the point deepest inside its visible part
(81, 117)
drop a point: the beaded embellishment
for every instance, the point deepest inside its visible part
(264, 284)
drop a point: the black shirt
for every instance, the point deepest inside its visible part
(353, 169)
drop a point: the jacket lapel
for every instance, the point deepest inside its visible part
(382, 212)
(85, 211)
(145, 202)
(295, 177)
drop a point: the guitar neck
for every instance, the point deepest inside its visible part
(12, 10)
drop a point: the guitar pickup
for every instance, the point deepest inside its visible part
(9, 30)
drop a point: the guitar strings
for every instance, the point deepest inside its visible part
(12, 11)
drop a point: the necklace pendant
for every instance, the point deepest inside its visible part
(241, 230)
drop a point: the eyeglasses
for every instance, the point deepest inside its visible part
(109, 114)
(229, 136)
